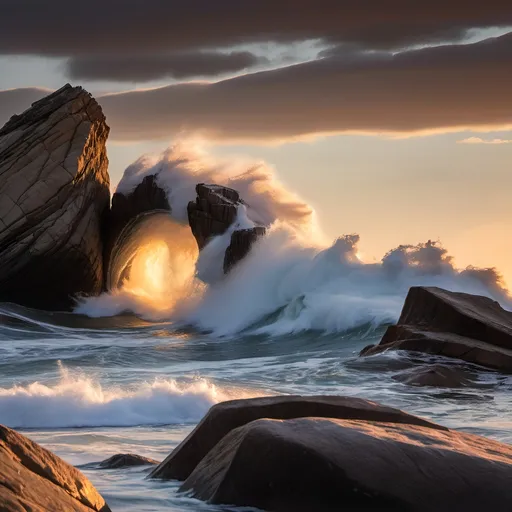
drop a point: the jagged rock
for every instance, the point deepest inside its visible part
(213, 211)
(459, 325)
(328, 465)
(34, 479)
(54, 193)
(226, 416)
(241, 243)
(126, 460)
(146, 197)
(435, 376)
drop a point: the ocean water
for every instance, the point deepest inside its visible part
(135, 369)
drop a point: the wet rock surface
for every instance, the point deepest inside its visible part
(34, 479)
(333, 464)
(54, 195)
(126, 460)
(226, 416)
(213, 212)
(458, 325)
(241, 243)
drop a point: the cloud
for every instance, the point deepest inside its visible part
(478, 140)
(137, 68)
(433, 89)
(127, 27)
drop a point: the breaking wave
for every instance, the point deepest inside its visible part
(292, 280)
(77, 400)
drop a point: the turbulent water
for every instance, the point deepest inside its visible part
(135, 369)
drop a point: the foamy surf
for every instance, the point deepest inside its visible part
(77, 400)
(292, 277)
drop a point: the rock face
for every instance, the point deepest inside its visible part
(34, 479)
(241, 243)
(213, 212)
(146, 197)
(468, 327)
(126, 460)
(325, 465)
(226, 416)
(54, 193)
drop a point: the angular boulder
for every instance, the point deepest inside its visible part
(34, 479)
(435, 376)
(54, 194)
(241, 243)
(227, 416)
(213, 211)
(459, 325)
(328, 465)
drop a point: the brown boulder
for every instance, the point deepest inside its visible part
(226, 416)
(458, 325)
(329, 465)
(54, 193)
(126, 460)
(34, 479)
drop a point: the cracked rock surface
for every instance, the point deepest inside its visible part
(54, 193)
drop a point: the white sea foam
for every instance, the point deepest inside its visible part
(80, 401)
(291, 280)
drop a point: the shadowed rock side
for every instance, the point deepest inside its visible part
(34, 479)
(325, 465)
(241, 243)
(458, 325)
(145, 198)
(226, 416)
(213, 211)
(54, 193)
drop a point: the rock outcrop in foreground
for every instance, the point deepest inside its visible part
(459, 325)
(298, 454)
(34, 479)
(54, 193)
(226, 416)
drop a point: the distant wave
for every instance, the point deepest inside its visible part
(291, 277)
(79, 401)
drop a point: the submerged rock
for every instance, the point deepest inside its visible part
(435, 376)
(126, 460)
(54, 194)
(34, 479)
(226, 416)
(324, 465)
(459, 325)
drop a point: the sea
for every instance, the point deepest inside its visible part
(135, 369)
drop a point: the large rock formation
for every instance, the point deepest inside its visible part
(226, 416)
(213, 213)
(34, 479)
(468, 327)
(54, 193)
(324, 465)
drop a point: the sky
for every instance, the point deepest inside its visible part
(391, 118)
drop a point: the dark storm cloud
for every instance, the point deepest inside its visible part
(137, 68)
(437, 88)
(162, 26)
